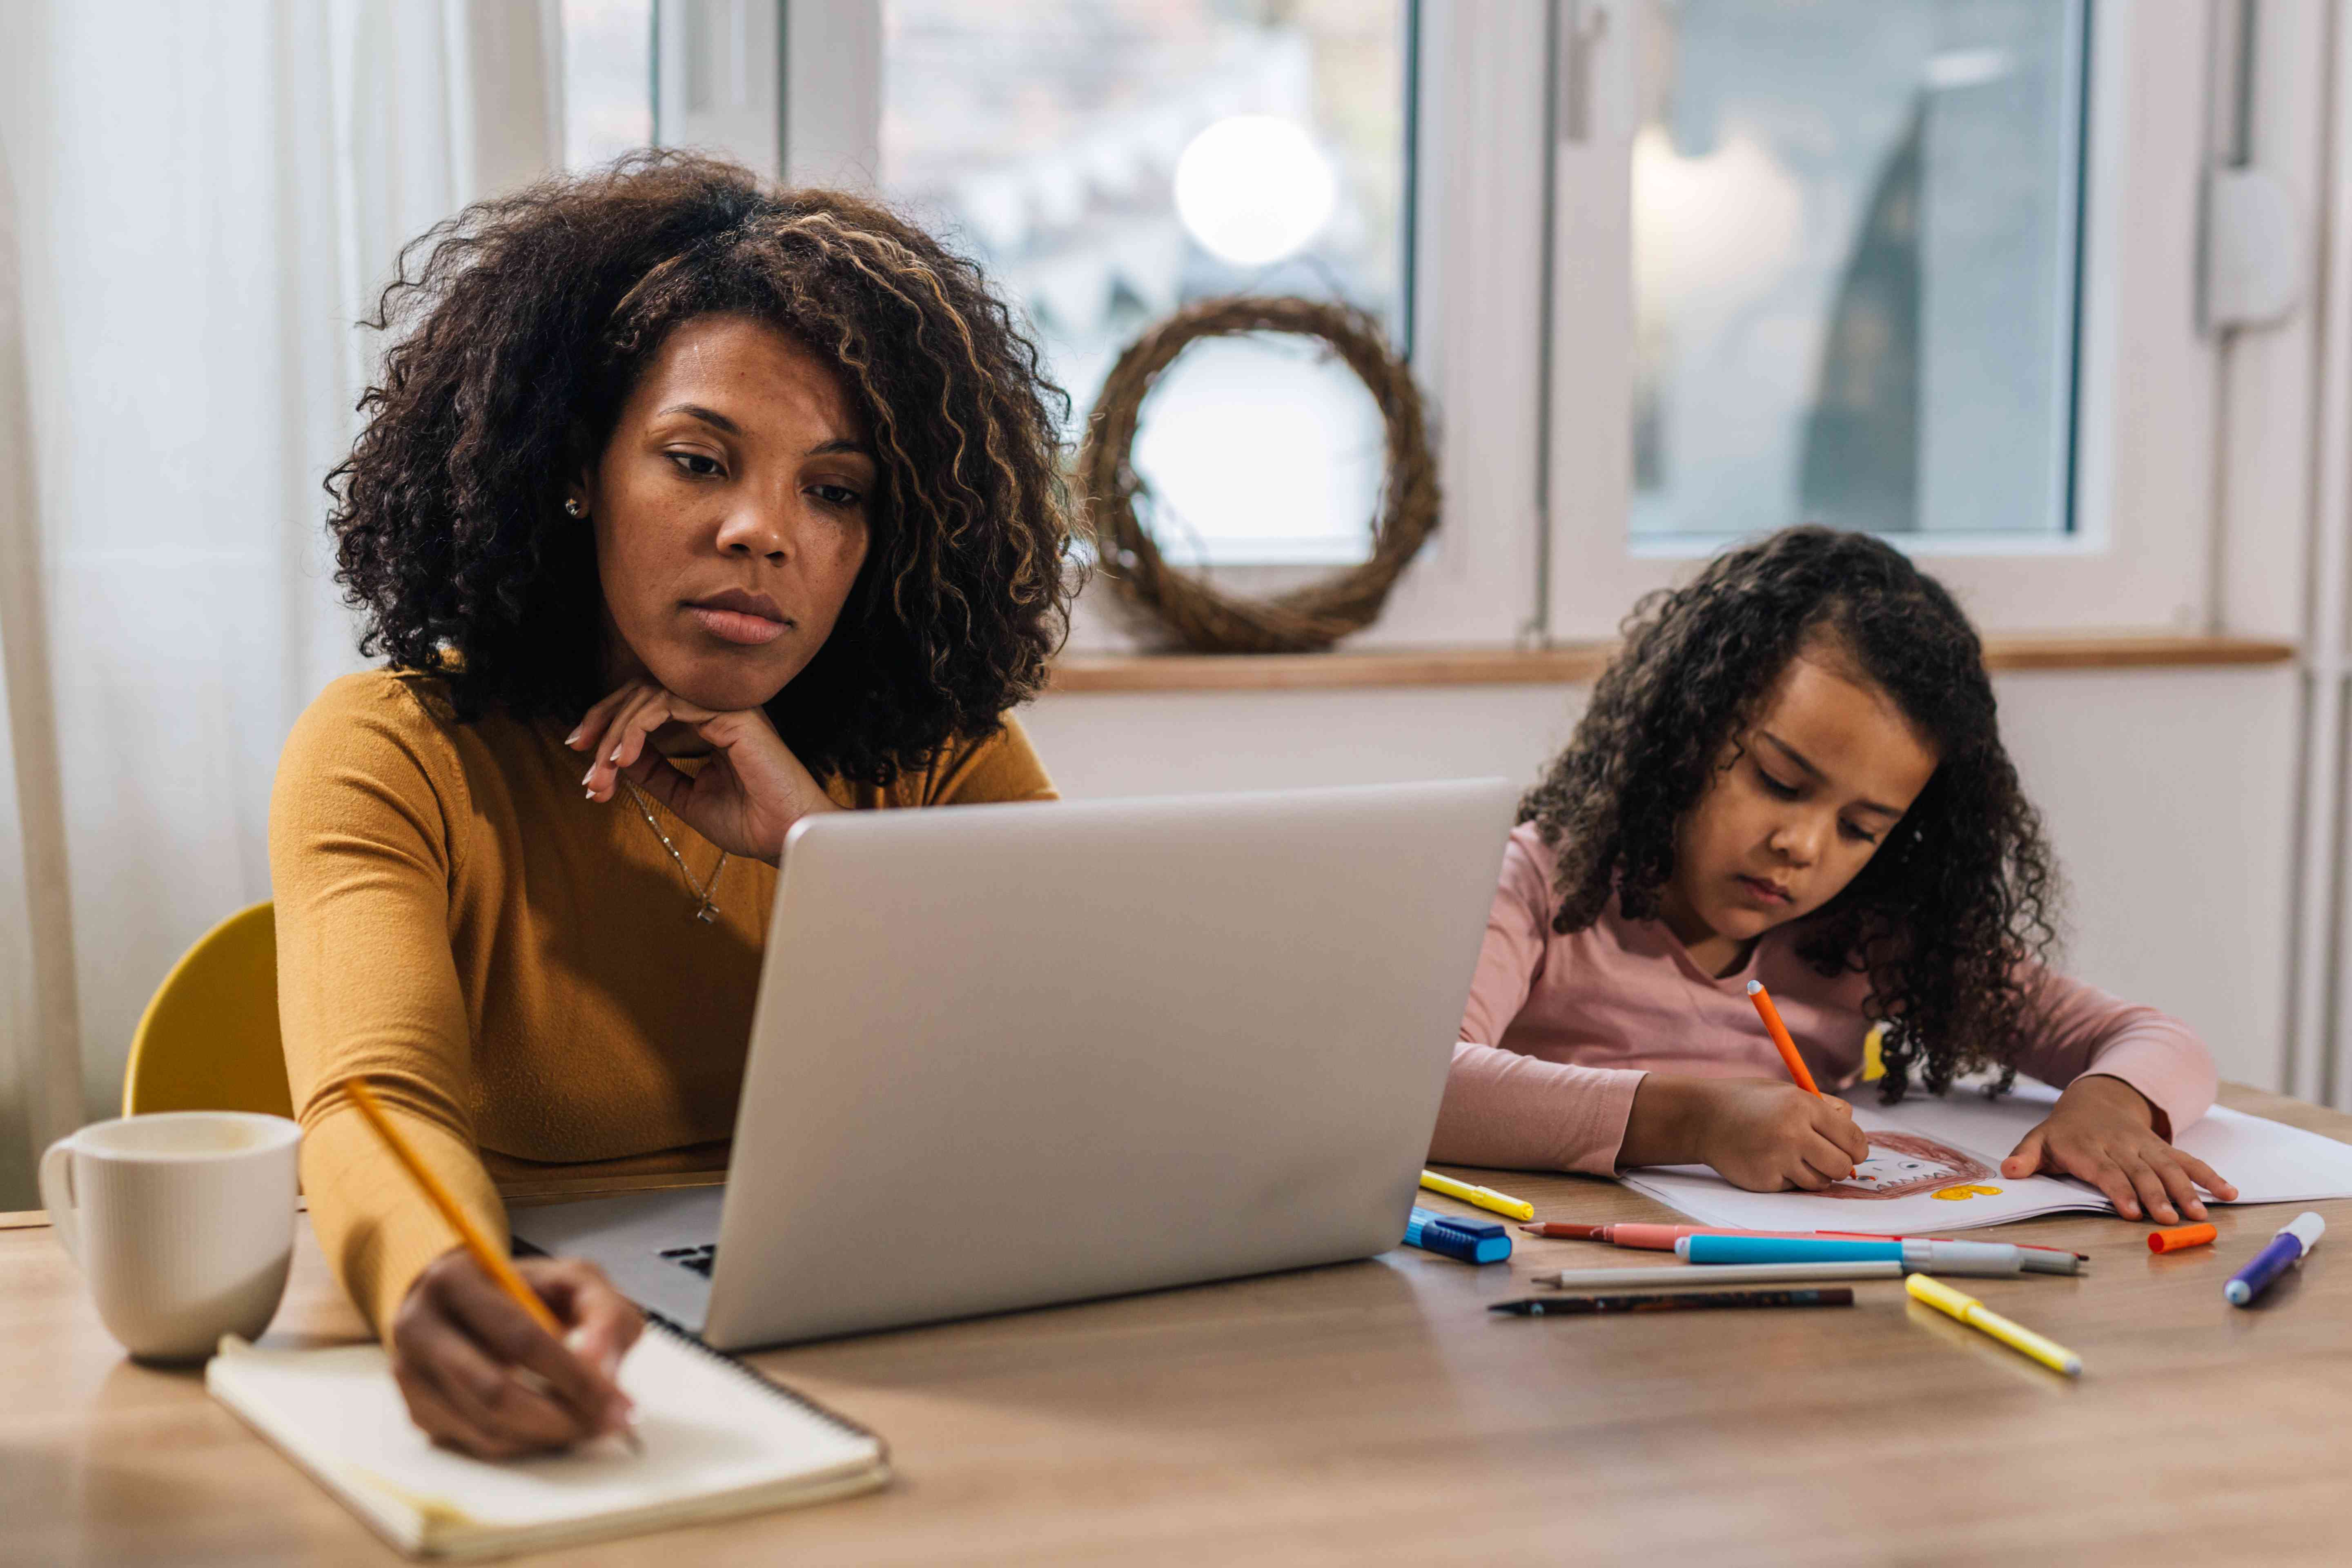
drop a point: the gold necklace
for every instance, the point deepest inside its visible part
(705, 893)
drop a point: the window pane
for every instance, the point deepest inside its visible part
(1110, 159)
(608, 80)
(1854, 237)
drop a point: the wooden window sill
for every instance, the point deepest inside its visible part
(1570, 664)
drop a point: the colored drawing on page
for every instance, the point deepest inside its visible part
(1966, 1191)
(1903, 1164)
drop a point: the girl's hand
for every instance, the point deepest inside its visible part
(480, 1376)
(2102, 1131)
(745, 799)
(1761, 1133)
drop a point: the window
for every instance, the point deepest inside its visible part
(1112, 160)
(608, 80)
(1855, 265)
(1924, 267)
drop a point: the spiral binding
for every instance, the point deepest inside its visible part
(746, 1370)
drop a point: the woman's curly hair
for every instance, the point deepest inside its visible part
(524, 323)
(1945, 915)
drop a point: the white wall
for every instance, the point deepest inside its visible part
(2168, 795)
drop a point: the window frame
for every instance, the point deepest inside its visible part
(2140, 553)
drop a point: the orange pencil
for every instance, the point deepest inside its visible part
(1780, 1033)
(488, 1258)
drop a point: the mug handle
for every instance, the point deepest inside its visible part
(58, 1195)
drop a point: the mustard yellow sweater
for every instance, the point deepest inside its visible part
(517, 969)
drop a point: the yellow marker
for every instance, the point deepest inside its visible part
(1485, 1197)
(1874, 1053)
(1977, 1315)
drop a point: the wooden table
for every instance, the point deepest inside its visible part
(1376, 1412)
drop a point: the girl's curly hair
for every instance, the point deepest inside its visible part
(524, 323)
(1946, 914)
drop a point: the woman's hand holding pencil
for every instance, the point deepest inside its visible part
(480, 1375)
(495, 1357)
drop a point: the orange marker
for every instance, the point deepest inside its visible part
(2178, 1236)
(1780, 1033)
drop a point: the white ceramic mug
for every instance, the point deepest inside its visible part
(183, 1224)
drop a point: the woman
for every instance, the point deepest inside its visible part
(745, 503)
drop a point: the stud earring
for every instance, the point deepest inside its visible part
(573, 509)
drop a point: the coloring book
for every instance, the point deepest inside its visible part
(1935, 1165)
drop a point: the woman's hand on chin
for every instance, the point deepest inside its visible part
(744, 799)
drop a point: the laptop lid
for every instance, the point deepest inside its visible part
(1013, 1055)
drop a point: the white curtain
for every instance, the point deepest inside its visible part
(196, 203)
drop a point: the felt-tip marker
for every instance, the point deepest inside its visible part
(1449, 1236)
(2288, 1247)
(1656, 1238)
(1780, 1040)
(1973, 1257)
(1931, 1291)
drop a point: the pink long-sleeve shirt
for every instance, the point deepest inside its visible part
(1560, 1030)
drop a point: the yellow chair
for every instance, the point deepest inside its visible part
(209, 1040)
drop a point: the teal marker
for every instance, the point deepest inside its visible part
(1978, 1258)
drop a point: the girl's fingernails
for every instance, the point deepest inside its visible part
(574, 738)
(589, 775)
(589, 793)
(617, 754)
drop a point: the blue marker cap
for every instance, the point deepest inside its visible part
(1478, 1227)
(1470, 1241)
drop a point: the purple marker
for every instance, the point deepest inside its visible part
(2286, 1249)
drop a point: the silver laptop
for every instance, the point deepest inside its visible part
(1013, 1055)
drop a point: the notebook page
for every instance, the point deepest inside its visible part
(1940, 1169)
(706, 1430)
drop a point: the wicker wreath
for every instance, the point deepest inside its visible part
(1303, 619)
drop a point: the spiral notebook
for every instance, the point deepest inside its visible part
(719, 1440)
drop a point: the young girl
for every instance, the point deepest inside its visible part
(1793, 773)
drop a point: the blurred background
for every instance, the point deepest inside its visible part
(2054, 293)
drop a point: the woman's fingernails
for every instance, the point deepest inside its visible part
(590, 775)
(574, 738)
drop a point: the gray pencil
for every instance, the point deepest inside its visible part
(1719, 1274)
